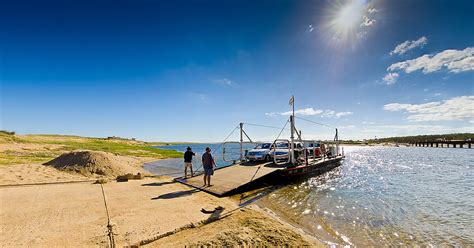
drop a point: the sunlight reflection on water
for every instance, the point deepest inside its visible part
(389, 196)
(382, 196)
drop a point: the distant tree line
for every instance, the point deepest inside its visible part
(7, 132)
(423, 138)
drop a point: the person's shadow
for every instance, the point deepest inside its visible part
(215, 213)
(176, 194)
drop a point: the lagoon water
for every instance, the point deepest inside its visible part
(380, 196)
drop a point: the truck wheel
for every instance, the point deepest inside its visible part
(267, 158)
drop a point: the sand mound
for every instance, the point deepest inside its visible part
(244, 228)
(94, 163)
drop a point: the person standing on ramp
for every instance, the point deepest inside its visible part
(208, 164)
(188, 161)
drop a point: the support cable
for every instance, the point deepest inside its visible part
(286, 123)
(220, 145)
(258, 125)
(321, 124)
(256, 171)
(110, 232)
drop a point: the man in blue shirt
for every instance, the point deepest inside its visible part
(208, 164)
(188, 159)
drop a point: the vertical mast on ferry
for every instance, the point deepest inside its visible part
(292, 123)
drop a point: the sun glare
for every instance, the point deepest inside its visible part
(345, 21)
(349, 16)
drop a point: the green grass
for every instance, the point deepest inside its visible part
(71, 143)
(6, 137)
(11, 157)
(117, 148)
(169, 143)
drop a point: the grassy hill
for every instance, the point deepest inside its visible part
(16, 149)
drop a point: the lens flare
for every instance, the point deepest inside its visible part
(347, 21)
(348, 17)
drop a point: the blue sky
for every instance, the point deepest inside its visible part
(192, 70)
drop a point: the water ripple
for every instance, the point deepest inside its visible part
(390, 196)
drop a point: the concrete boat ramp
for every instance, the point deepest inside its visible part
(233, 177)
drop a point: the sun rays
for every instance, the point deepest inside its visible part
(347, 21)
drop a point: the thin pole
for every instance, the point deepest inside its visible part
(293, 97)
(241, 140)
(292, 119)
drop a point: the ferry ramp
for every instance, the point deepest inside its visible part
(231, 178)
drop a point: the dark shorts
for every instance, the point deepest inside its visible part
(208, 172)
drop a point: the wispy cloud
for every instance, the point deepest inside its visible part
(347, 127)
(199, 96)
(457, 108)
(313, 112)
(454, 60)
(409, 45)
(271, 114)
(390, 78)
(341, 114)
(306, 111)
(366, 22)
(224, 81)
(372, 10)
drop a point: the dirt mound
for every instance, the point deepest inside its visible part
(95, 163)
(243, 228)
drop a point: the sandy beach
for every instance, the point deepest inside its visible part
(141, 211)
(45, 206)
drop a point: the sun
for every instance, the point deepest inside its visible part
(344, 20)
(349, 16)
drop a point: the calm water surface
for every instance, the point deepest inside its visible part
(381, 196)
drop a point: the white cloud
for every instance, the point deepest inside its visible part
(366, 22)
(391, 78)
(408, 45)
(341, 114)
(347, 127)
(310, 28)
(454, 60)
(224, 81)
(311, 112)
(372, 10)
(457, 108)
(328, 113)
(465, 64)
(306, 111)
(271, 114)
(333, 114)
